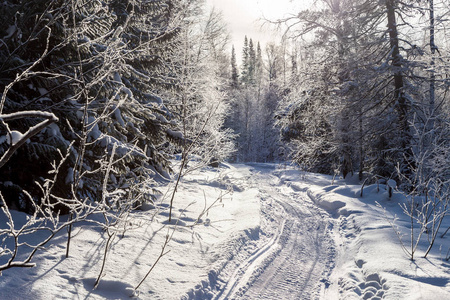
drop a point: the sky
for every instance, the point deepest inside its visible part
(244, 18)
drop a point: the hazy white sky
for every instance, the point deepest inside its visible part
(243, 18)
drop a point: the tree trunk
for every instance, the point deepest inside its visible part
(399, 95)
(433, 49)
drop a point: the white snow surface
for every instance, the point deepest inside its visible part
(14, 138)
(272, 232)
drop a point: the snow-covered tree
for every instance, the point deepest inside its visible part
(100, 69)
(234, 69)
(367, 70)
(254, 103)
(106, 72)
(198, 99)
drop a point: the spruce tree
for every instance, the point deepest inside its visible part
(234, 69)
(259, 65)
(102, 76)
(245, 62)
(252, 62)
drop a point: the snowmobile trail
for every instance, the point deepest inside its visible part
(297, 261)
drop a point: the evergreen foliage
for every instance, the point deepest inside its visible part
(253, 101)
(103, 68)
(234, 69)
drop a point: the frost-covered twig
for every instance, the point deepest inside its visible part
(185, 157)
(25, 73)
(207, 208)
(39, 221)
(161, 255)
(44, 218)
(108, 224)
(413, 241)
(440, 211)
(428, 183)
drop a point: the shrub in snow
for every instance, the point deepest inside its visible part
(428, 186)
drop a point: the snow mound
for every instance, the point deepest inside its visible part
(325, 199)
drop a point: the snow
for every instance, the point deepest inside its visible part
(162, 119)
(122, 148)
(13, 138)
(117, 77)
(127, 91)
(370, 262)
(42, 91)
(53, 130)
(69, 177)
(155, 99)
(392, 183)
(10, 31)
(269, 229)
(119, 118)
(174, 134)
(93, 129)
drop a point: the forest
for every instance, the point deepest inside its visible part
(105, 102)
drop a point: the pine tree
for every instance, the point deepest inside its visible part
(252, 63)
(234, 70)
(245, 62)
(259, 66)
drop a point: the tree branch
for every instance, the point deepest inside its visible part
(32, 131)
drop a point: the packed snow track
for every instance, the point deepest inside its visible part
(297, 261)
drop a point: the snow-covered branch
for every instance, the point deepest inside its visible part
(16, 138)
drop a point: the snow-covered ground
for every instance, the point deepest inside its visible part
(370, 262)
(256, 231)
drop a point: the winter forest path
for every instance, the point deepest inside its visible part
(297, 261)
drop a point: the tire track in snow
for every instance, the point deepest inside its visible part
(296, 270)
(249, 265)
(296, 261)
